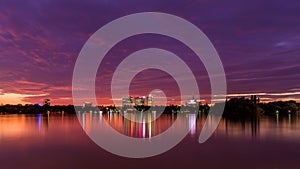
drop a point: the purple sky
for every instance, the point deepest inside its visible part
(258, 43)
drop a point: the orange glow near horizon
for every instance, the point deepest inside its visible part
(13, 98)
(18, 98)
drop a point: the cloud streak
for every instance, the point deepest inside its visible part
(258, 42)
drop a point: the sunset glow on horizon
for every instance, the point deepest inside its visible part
(41, 40)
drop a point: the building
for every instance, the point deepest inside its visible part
(192, 103)
(139, 101)
(127, 101)
(47, 102)
(149, 100)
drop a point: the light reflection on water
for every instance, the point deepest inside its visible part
(25, 139)
(18, 126)
(265, 127)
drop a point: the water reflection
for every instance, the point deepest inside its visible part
(128, 123)
(275, 127)
(16, 126)
(58, 141)
(192, 123)
(281, 127)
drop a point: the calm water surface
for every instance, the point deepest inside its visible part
(58, 141)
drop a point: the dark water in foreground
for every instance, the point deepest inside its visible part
(56, 141)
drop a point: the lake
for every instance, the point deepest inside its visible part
(59, 141)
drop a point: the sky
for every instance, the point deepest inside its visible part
(258, 43)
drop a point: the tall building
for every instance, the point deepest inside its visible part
(139, 101)
(192, 103)
(47, 102)
(127, 101)
(149, 100)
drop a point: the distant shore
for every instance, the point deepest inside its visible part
(234, 108)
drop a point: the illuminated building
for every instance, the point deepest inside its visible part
(149, 100)
(127, 101)
(139, 101)
(192, 103)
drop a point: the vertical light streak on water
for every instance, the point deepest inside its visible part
(100, 117)
(149, 125)
(144, 128)
(39, 118)
(192, 123)
(83, 121)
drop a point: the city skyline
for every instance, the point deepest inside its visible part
(40, 42)
(149, 100)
